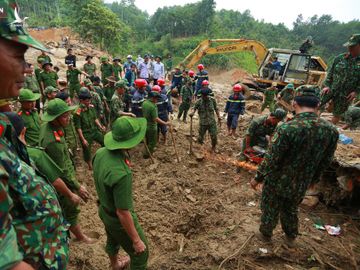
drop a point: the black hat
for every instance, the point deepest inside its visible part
(88, 57)
(158, 56)
(62, 95)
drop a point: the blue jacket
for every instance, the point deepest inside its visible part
(200, 77)
(164, 106)
(131, 77)
(137, 99)
(176, 79)
(235, 104)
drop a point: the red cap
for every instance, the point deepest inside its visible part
(191, 73)
(161, 82)
(205, 82)
(237, 88)
(156, 88)
(200, 66)
(140, 82)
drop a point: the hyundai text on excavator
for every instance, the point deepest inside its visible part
(296, 67)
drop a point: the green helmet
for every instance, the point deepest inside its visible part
(28, 95)
(104, 58)
(279, 114)
(49, 89)
(120, 84)
(308, 91)
(12, 26)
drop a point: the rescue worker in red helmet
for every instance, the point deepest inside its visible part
(200, 77)
(138, 96)
(235, 106)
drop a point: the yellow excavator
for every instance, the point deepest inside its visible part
(296, 67)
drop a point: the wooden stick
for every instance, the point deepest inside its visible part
(173, 142)
(237, 252)
(148, 150)
(191, 135)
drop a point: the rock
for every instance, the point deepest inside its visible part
(190, 198)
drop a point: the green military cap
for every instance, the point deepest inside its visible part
(308, 91)
(28, 95)
(104, 58)
(290, 86)
(56, 107)
(127, 132)
(353, 40)
(116, 58)
(44, 64)
(120, 84)
(279, 114)
(12, 26)
(50, 89)
(88, 82)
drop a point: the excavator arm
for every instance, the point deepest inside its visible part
(236, 45)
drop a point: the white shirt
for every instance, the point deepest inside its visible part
(159, 71)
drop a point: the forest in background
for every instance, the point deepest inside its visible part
(122, 28)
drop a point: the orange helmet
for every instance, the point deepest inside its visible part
(200, 67)
(191, 73)
(205, 83)
(140, 83)
(156, 88)
(237, 88)
(161, 82)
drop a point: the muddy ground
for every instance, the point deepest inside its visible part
(202, 214)
(198, 213)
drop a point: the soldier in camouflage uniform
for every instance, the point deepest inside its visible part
(286, 95)
(289, 168)
(352, 118)
(96, 100)
(31, 223)
(53, 141)
(343, 79)
(260, 131)
(269, 98)
(98, 89)
(206, 107)
(186, 96)
(50, 93)
(87, 125)
(30, 116)
(117, 105)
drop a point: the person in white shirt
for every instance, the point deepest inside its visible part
(158, 70)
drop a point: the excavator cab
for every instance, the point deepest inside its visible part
(294, 67)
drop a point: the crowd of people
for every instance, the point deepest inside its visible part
(119, 106)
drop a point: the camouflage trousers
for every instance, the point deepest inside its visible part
(339, 103)
(212, 129)
(273, 206)
(270, 104)
(183, 110)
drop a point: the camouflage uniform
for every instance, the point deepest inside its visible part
(37, 218)
(186, 94)
(269, 99)
(352, 117)
(71, 138)
(289, 169)
(342, 78)
(32, 83)
(53, 141)
(117, 105)
(206, 109)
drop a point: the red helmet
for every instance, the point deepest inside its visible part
(156, 88)
(161, 82)
(191, 73)
(140, 82)
(237, 88)
(200, 67)
(205, 83)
